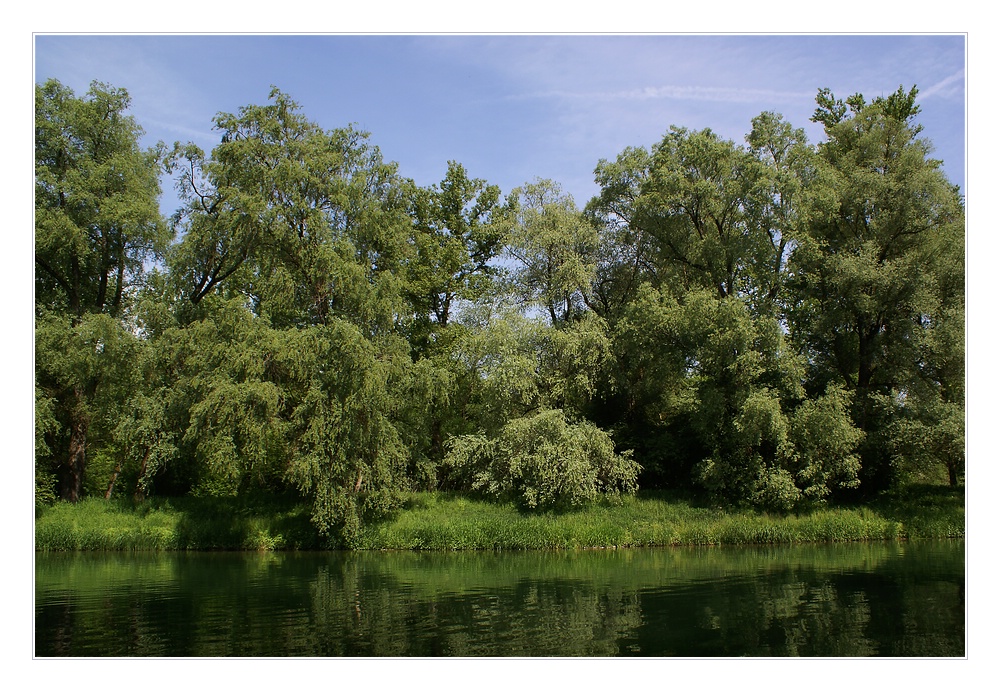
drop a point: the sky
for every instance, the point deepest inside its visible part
(513, 108)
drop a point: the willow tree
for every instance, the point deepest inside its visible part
(308, 224)
(290, 348)
(867, 275)
(460, 227)
(97, 224)
(553, 245)
(706, 385)
(627, 255)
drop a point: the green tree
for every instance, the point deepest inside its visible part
(230, 405)
(460, 226)
(553, 245)
(307, 224)
(86, 369)
(712, 395)
(97, 225)
(97, 220)
(627, 254)
(343, 446)
(705, 382)
(290, 361)
(863, 277)
(703, 203)
(931, 433)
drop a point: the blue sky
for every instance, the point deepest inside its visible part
(513, 108)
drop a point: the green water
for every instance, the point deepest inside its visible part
(873, 599)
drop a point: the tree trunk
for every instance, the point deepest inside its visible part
(114, 478)
(139, 495)
(72, 481)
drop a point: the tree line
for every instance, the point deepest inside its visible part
(771, 323)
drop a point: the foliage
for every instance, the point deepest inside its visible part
(822, 454)
(96, 226)
(544, 461)
(345, 451)
(96, 215)
(554, 246)
(771, 325)
(866, 272)
(85, 370)
(307, 224)
(459, 228)
(46, 427)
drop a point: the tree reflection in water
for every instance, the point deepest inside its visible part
(878, 599)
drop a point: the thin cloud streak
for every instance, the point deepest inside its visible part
(947, 86)
(677, 93)
(199, 136)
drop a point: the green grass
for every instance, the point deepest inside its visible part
(176, 524)
(448, 521)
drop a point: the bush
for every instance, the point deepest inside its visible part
(777, 461)
(544, 461)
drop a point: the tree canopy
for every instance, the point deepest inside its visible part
(771, 323)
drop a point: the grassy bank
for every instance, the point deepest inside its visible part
(186, 523)
(443, 521)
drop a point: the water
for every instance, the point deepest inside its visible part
(878, 599)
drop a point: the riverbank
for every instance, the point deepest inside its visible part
(445, 521)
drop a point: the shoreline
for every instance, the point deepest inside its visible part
(441, 521)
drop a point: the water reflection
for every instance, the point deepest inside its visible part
(831, 600)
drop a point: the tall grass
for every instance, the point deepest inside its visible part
(175, 524)
(449, 522)
(446, 521)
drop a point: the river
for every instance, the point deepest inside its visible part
(855, 599)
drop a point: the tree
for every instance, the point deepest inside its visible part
(706, 384)
(307, 224)
(627, 254)
(931, 433)
(343, 448)
(863, 276)
(97, 220)
(544, 461)
(554, 245)
(97, 224)
(703, 203)
(290, 360)
(460, 227)
(711, 394)
(86, 369)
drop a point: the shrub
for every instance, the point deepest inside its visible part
(777, 461)
(544, 461)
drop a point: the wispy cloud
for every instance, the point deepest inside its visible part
(677, 93)
(201, 136)
(949, 86)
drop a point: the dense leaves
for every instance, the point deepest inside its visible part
(544, 461)
(876, 274)
(96, 227)
(773, 324)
